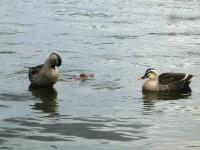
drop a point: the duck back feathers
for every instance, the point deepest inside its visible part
(174, 81)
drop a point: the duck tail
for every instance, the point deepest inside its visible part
(188, 80)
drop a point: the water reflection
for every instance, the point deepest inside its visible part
(151, 97)
(48, 97)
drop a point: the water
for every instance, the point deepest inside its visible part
(117, 40)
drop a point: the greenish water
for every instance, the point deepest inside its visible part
(117, 40)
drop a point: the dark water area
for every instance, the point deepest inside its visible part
(116, 40)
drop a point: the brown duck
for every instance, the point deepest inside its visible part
(166, 81)
(46, 74)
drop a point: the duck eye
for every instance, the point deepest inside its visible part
(148, 74)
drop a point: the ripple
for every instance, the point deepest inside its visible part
(184, 18)
(121, 37)
(194, 146)
(46, 138)
(3, 106)
(192, 53)
(109, 85)
(20, 72)
(166, 56)
(175, 33)
(11, 32)
(6, 148)
(91, 14)
(2, 141)
(12, 43)
(18, 24)
(67, 52)
(101, 43)
(68, 131)
(106, 57)
(62, 34)
(7, 52)
(122, 22)
(14, 97)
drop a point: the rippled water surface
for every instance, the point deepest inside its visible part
(117, 40)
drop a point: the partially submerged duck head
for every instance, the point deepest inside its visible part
(83, 76)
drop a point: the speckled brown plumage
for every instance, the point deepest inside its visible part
(47, 73)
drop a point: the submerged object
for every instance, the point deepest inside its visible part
(83, 76)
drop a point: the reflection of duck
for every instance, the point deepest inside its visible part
(47, 73)
(151, 97)
(48, 98)
(165, 95)
(166, 81)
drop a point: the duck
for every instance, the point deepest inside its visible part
(46, 74)
(165, 82)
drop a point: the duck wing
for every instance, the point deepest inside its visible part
(170, 78)
(34, 70)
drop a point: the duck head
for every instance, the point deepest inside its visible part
(54, 60)
(151, 74)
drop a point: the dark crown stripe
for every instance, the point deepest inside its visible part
(149, 70)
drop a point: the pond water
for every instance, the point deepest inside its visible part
(117, 40)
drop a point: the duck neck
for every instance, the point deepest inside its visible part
(151, 85)
(153, 77)
(48, 65)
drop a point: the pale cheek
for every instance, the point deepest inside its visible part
(152, 77)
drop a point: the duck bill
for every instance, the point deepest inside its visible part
(143, 77)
